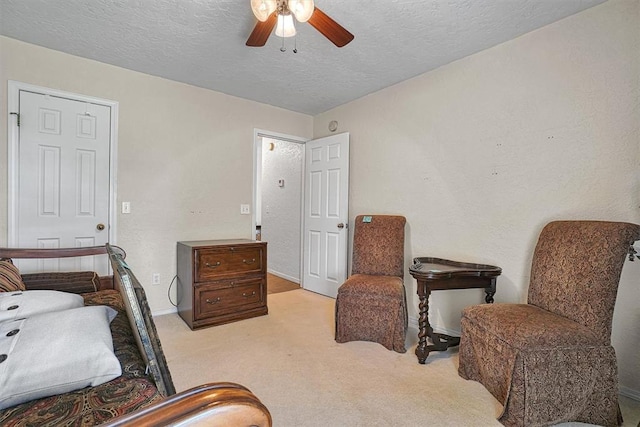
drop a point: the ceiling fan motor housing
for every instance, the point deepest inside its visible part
(267, 12)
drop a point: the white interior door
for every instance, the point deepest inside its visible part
(326, 214)
(63, 189)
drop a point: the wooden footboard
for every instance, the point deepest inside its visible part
(56, 252)
(57, 280)
(214, 404)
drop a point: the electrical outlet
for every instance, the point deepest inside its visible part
(155, 279)
(245, 209)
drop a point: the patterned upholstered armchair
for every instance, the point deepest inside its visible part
(371, 305)
(551, 360)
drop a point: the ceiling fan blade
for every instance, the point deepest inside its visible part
(262, 31)
(330, 28)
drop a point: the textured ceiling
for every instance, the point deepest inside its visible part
(202, 42)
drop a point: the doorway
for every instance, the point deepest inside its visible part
(278, 187)
(320, 174)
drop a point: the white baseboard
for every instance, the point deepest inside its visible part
(284, 276)
(163, 312)
(413, 322)
(630, 393)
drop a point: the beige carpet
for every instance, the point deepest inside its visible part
(290, 360)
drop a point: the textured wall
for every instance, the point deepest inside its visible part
(481, 153)
(184, 154)
(281, 206)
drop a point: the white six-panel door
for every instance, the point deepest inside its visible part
(63, 179)
(326, 214)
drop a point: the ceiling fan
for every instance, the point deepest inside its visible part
(281, 12)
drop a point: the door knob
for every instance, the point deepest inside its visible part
(100, 227)
(341, 226)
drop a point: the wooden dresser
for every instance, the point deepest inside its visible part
(221, 281)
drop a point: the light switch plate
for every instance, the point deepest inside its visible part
(126, 207)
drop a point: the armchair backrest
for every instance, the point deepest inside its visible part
(378, 245)
(576, 269)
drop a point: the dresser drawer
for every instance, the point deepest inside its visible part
(224, 297)
(213, 263)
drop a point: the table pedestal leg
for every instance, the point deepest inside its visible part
(440, 342)
(422, 351)
(490, 291)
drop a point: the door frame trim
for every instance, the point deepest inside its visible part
(13, 98)
(258, 134)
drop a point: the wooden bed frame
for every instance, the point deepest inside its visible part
(222, 403)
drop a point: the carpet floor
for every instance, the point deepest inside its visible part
(290, 360)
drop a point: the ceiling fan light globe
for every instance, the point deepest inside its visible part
(302, 9)
(285, 27)
(263, 8)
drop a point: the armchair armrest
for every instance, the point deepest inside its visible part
(217, 404)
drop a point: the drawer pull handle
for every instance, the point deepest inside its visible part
(246, 295)
(249, 262)
(214, 301)
(212, 265)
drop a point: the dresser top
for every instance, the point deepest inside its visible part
(202, 243)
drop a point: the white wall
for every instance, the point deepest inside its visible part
(185, 154)
(481, 153)
(281, 206)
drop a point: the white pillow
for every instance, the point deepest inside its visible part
(21, 304)
(55, 353)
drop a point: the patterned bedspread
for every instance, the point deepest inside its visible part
(95, 405)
